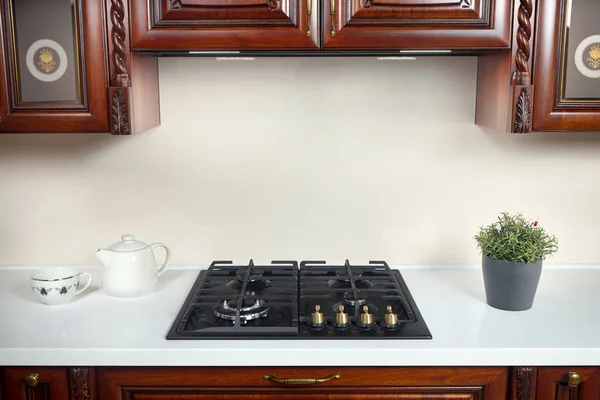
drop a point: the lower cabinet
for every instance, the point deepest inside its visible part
(291, 383)
(562, 383)
(326, 383)
(24, 383)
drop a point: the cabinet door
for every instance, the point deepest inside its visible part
(564, 383)
(567, 66)
(417, 24)
(24, 383)
(288, 383)
(224, 25)
(53, 68)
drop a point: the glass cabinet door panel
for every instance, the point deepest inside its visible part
(580, 75)
(47, 67)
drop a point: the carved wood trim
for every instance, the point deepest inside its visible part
(522, 76)
(523, 111)
(565, 392)
(80, 383)
(40, 392)
(177, 5)
(464, 4)
(524, 383)
(118, 56)
(119, 113)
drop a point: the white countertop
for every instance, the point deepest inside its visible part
(562, 328)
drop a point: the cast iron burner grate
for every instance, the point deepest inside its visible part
(276, 301)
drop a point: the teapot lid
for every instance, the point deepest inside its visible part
(128, 243)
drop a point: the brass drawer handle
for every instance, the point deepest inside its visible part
(300, 381)
(309, 16)
(332, 14)
(32, 380)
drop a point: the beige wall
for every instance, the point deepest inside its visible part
(299, 158)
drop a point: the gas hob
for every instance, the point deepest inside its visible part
(310, 300)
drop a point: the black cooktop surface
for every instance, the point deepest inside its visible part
(315, 301)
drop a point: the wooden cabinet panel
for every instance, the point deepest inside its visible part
(34, 383)
(568, 383)
(420, 24)
(234, 24)
(53, 67)
(353, 383)
(567, 66)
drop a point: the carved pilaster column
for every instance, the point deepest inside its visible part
(523, 383)
(120, 116)
(521, 79)
(80, 383)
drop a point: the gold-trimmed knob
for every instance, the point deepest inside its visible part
(341, 318)
(390, 318)
(573, 379)
(317, 318)
(366, 318)
(32, 380)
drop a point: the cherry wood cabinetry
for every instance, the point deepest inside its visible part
(233, 24)
(567, 66)
(292, 383)
(561, 383)
(420, 24)
(549, 81)
(295, 24)
(47, 383)
(66, 66)
(23, 383)
(298, 383)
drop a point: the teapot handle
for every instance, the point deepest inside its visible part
(164, 267)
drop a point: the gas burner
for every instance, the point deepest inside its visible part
(343, 273)
(249, 310)
(345, 284)
(255, 274)
(353, 301)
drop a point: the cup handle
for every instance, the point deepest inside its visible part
(89, 282)
(164, 267)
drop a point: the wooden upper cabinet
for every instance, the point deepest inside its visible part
(53, 67)
(224, 25)
(566, 74)
(564, 383)
(416, 24)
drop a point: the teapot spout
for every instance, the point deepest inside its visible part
(104, 256)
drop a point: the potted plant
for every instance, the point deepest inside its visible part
(513, 249)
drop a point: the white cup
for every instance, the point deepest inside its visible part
(55, 286)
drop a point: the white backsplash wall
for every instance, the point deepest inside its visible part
(299, 159)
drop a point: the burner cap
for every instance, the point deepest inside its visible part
(352, 301)
(247, 305)
(255, 274)
(250, 310)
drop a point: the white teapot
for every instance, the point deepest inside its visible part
(130, 267)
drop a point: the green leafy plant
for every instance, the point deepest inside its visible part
(516, 239)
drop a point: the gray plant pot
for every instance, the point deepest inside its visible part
(510, 286)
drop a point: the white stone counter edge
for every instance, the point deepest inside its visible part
(486, 337)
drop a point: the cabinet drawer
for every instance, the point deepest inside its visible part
(371, 383)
